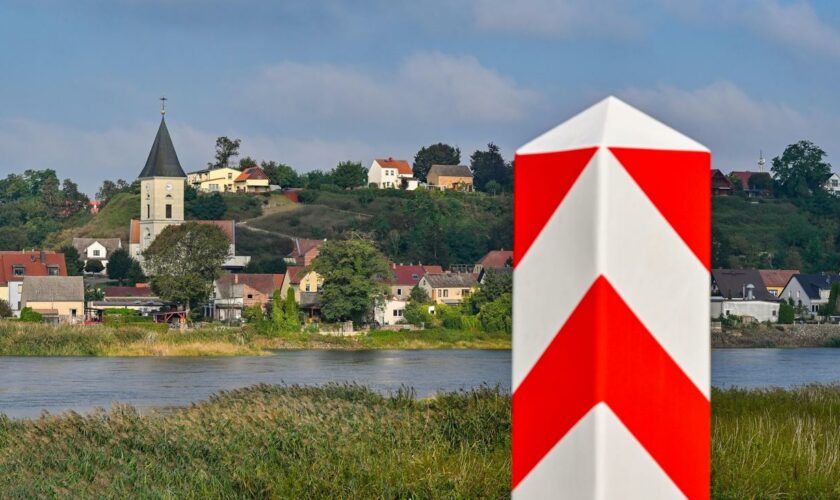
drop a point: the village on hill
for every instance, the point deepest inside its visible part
(164, 266)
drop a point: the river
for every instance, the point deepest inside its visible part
(31, 385)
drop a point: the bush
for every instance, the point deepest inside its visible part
(496, 316)
(94, 266)
(5, 309)
(30, 316)
(308, 196)
(417, 314)
(786, 314)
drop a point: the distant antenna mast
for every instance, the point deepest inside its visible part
(163, 105)
(761, 161)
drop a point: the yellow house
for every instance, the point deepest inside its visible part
(60, 299)
(301, 281)
(775, 280)
(449, 288)
(229, 180)
(453, 177)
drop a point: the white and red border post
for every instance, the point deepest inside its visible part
(611, 310)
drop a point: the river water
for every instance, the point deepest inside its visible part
(31, 385)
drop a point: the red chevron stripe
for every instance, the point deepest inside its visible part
(679, 185)
(604, 354)
(542, 181)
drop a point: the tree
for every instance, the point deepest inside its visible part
(75, 266)
(497, 316)
(5, 309)
(94, 266)
(285, 317)
(110, 188)
(787, 313)
(135, 273)
(119, 265)
(184, 260)
(226, 149)
(351, 270)
(436, 154)
(349, 174)
(281, 174)
(247, 162)
(488, 166)
(801, 169)
(496, 284)
(419, 295)
(205, 206)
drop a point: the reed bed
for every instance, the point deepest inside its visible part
(336, 441)
(776, 443)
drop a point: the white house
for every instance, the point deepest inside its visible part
(832, 185)
(390, 311)
(96, 249)
(392, 173)
(760, 310)
(810, 291)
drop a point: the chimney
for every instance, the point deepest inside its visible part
(235, 278)
(43, 257)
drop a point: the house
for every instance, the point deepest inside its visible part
(776, 279)
(449, 288)
(306, 287)
(721, 185)
(96, 249)
(810, 291)
(390, 311)
(405, 277)
(233, 293)
(832, 184)
(495, 259)
(303, 251)
(252, 180)
(762, 311)
(739, 284)
(450, 177)
(60, 299)
(15, 266)
(392, 173)
(137, 298)
(95, 206)
(759, 178)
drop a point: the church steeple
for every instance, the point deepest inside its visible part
(162, 161)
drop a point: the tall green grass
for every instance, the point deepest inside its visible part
(776, 443)
(338, 441)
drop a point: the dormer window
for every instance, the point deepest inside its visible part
(18, 270)
(52, 270)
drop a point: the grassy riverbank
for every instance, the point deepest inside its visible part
(269, 441)
(26, 339)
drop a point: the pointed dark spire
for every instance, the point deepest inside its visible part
(162, 161)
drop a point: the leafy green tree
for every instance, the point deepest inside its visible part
(497, 316)
(349, 174)
(210, 206)
(226, 149)
(417, 313)
(281, 174)
(14, 238)
(496, 284)
(247, 162)
(291, 312)
(110, 188)
(266, 265)
(184, 260)
(801, 169)
(314, 179)
(419, 295)
(135, 273)
(119, 265)
(351, 270)
(489, 166)
(436, 154)
(761, 181)
(94, 266)
(74, 264)
(787, 313)
(5, 309)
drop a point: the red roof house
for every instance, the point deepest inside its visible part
(14, 266)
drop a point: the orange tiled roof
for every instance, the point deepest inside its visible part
(402, 166)
(255, 173)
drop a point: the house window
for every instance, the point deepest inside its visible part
(415, 277)
(465, 292)
(307, 287)
(250, 296)
(148, 211)
(815, 308)
(19, 270)
(398, 313)
(72, 313)
(230, 176)
(445, 292)
(399, 292)
(773, 313)
(52, 270)
(168, 211)
(96, 253)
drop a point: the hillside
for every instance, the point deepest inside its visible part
(111, 222)
(799, 234)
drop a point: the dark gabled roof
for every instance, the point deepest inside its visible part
(451, 170)
(53, 289)
(732, 283)
(162, 161)
(451, 280)
(813, 283)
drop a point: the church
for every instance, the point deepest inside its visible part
(162, 182)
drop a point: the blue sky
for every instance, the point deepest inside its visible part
(312, 83)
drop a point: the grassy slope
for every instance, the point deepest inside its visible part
(270, 442)
(111, 222)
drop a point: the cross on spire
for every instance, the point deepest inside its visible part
(163, 105)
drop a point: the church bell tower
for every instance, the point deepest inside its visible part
(161, 186)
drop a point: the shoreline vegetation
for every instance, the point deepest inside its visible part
(27, 339)
(346, 440)
(777, 336)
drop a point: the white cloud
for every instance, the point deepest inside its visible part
(558, 18)
(795, 26)
(733, 124)
(427, 88)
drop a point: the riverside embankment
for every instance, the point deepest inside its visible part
(785, 336)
